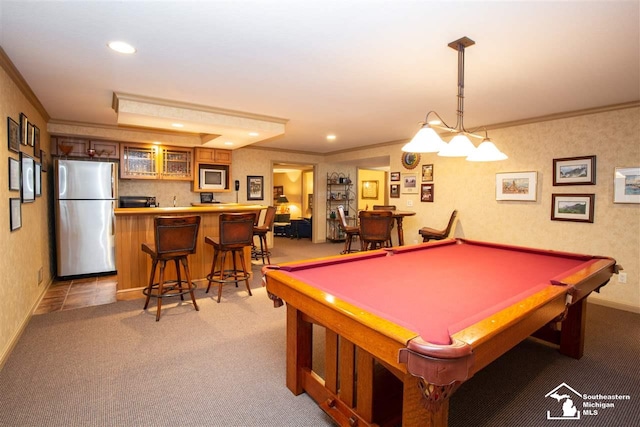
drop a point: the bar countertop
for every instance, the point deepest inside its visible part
(196, 208)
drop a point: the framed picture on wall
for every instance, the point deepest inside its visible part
(13, 134)
(409, 183)
(278, 190)
(394, 191)
(15, 214)
(255, 188)
(38, 180)
(626, 185)
(572, 207)
(28, 185)
(369, 189)
(427, 173)
(521, 186)
(426, 193)
(395, 176)
(36, 142)
(14, 174)
(574, 171)
(24, 129)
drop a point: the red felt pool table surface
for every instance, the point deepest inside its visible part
(439, 290)
(433, 314)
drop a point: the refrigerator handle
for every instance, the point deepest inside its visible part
(113, 219)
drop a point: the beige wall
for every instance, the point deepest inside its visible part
(371, 175)
(26, 250)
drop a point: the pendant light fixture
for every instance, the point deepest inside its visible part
(427, 139)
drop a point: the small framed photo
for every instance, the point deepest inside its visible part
(409, 183)
(255, 188)
(522, 186)
(24, 129)
(14, 174)
(394, 191)
(13, 134)
(395, 176)
(36, 142)
(426, 193)
(369, 189)
(574, 171)
(278, 190)
(38, 180)
(15, 214)
(626, 185)
(572, 207)
(30, 134)
(27, 172)
(427, 173)
(43, 160)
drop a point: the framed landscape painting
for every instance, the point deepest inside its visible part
(572, 207)
(574, 171)
(521, 186)
(626, 185)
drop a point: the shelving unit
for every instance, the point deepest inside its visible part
(339, 192)
(156, 162)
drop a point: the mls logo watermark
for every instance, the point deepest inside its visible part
(567, 403)
(567, 409)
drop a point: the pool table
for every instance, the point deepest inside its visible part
(431, 315)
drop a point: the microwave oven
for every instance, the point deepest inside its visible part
(213, 179)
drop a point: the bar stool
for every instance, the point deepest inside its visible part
(175, 238)
(236, 232)
(375, 229)
(349, 231)
(262, 230)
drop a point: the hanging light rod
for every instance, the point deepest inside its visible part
(427, 139)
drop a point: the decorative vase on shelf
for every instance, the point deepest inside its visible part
(66, 149)
(91, 152)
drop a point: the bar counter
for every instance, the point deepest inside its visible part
(134, 226)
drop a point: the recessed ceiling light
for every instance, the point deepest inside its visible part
(157, 142)
(177, 125)
(122, 47)
(331, 137)
(253, 134)
(228, 143)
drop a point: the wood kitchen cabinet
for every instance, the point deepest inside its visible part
(213, 156)
(139, 161)
(79, 147)
(69, 147)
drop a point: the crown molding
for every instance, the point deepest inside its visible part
(14, 74)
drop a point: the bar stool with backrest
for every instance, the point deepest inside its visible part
(433, 234)
(349, 231)
(174, 239)
(375, 229)
(262, 230)
(386, 208)
(236, 233)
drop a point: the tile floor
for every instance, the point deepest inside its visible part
(70, 294)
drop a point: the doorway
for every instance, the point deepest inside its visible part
(293, 185)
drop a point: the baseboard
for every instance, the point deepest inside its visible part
(16, 337)
(616, 305)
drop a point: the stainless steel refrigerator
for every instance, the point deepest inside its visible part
(86, 192)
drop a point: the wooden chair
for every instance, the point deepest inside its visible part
(375, 228)
(386, 208)
(174, 239)
(433, 234)
(262, 230)
(349, 231)
(236, 232)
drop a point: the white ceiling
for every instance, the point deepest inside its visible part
(366, 71)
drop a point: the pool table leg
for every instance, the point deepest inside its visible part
(572, 333)
(299, 336)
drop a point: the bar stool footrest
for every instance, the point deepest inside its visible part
(170, 289)
(229, 276)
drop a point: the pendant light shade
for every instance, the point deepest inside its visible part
(459, 146)
(486, 152)
(426, 140)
